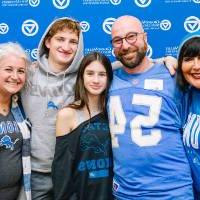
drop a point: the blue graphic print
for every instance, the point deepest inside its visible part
(52, 105)
(7, 142)
(95, 143)
(89, 141)
(7, 129)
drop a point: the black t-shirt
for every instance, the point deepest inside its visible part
(10, 157)
(82, 166)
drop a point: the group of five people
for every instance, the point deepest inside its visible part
(77, 107)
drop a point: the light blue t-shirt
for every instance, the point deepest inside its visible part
(149, 158)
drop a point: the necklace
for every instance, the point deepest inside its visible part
(4, 106)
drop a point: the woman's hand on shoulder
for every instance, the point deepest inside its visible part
(65, 122)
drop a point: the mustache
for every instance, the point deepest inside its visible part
(126, 51)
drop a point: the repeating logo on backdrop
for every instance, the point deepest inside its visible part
(107, 24)
(4, 28)
(85, 26)
(142, 3)
(157, 24)
(165, 25)
(115, 2)
(149, 51)
(171, 50)
(101, 2)
(181, 1)
(105, 50)
(30, 27)
(196, 1)
(34, 53)
(34, 3)
(61, 4)
(20, 3)
(192, 24)
(113, 54)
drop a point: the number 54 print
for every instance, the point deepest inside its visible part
(118, 121)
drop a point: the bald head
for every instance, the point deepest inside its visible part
(130, 43)
(127, 23)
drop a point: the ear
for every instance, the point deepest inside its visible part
(145, 37)
(47, 43)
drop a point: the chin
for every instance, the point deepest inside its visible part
(67, 62)
(197, 86)
(14, 90)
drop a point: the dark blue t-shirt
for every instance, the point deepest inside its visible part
(10, 157)
(191, 137)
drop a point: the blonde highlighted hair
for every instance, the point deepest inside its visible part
(13, 48)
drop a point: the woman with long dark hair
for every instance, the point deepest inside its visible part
(82, 166)
(188, 77)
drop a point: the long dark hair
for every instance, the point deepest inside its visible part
(80, 91)
(191, 48)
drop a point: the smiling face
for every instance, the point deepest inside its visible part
(191, 70)
(189, 63)
(12, 75)
(95, 78)
(62, 48)
(131, 55)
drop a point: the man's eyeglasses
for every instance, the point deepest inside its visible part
(130, 38)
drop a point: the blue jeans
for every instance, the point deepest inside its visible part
(41, 186)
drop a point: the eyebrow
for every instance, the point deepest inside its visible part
(90, 70)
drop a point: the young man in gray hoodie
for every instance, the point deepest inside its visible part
(49, 88)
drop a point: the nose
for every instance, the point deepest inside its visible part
(66, 46)
(15, 75)
(96, 78)
(196, 65)
(125, 44)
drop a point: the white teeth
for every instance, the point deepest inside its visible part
(196, 76)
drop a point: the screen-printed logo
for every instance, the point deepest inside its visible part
(142, 3)
(4, 28)
(30, 27)
(192, 24)
(107, 24)
(196, 1)
(115, 2)
(165, 25)
(34, 53)
(34, 3)
(61, 4)
(85, 26)
(149, 51)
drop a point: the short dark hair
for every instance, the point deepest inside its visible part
(80, 91)
(190, 48)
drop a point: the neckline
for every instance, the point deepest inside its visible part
(81, 124)
(6, 115)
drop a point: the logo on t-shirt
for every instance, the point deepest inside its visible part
(7, 142)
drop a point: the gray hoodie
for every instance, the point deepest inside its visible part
(46, 92)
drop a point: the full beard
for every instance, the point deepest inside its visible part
(132, 63)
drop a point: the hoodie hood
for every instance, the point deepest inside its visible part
(186, 38)
(42, 57)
